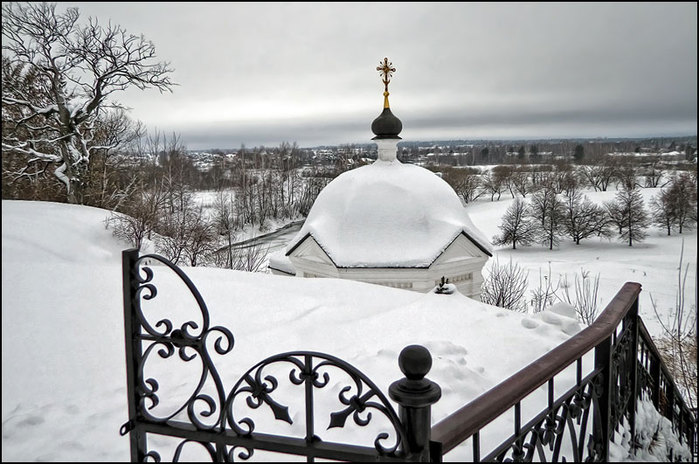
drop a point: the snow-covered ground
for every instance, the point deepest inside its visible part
(63, 362)
(653, 263)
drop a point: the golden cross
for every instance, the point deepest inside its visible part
(386, 68)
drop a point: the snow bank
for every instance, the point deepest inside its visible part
(63, 361)
(655, 440)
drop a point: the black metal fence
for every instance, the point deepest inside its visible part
(580, 424)
(627, 367)
(215, 421)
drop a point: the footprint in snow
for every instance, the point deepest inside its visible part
(31, 421)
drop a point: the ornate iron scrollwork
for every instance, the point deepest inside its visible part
(544, 437)
(310, 369)
(189, 341)
(212, 420)
(623, 367)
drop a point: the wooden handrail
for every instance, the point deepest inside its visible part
(469, 419)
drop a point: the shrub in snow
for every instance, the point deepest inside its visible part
(655, 440)
(504, 286)
(586, 291)
(444, 287)
(545, 294)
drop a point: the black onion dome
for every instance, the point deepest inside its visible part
(386, 126)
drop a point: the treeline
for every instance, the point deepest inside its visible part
(471, 183)
(159, 203)
(490, 152)
(66, 138)
(559, 210)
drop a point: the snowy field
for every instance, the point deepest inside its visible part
(653, 263)
(63, 368)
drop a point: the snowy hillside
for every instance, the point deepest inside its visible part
(63, 368)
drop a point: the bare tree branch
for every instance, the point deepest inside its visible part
(58, 77)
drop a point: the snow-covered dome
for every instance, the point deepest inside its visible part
(389, 223)
(387, 214)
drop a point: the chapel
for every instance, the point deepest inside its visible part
(388, 223)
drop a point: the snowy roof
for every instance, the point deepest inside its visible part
(280, 262)
(387, 214)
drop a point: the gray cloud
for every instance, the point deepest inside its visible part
(262, 73)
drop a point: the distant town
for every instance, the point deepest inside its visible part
(468, 152)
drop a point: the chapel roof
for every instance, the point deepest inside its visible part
(387, 214)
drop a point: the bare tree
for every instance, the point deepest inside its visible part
(678, 342)
(185, 233)
(652, 175)
(289, 179)
(628, 213)
(493, 184)
(565, 178)
(616, 215)
(544, 294)
(583, 218)
(311, 188)
(110, 177)
(465, 182)
(683, 197)
(586, 293)
(140, 216)
(600, 175)
(626, 176)
(76, 70)
(201, 236)
(225, 222)
(517, 226)
(548, 213)
(520, 181)
(504, 286)
(662, 210)
(502, 176)
(539, 177)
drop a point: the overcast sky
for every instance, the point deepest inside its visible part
(264, 73)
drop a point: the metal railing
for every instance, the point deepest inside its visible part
(578, 425)
(219, 422)
(627, 366)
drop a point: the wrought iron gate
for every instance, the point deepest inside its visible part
(210, 417)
